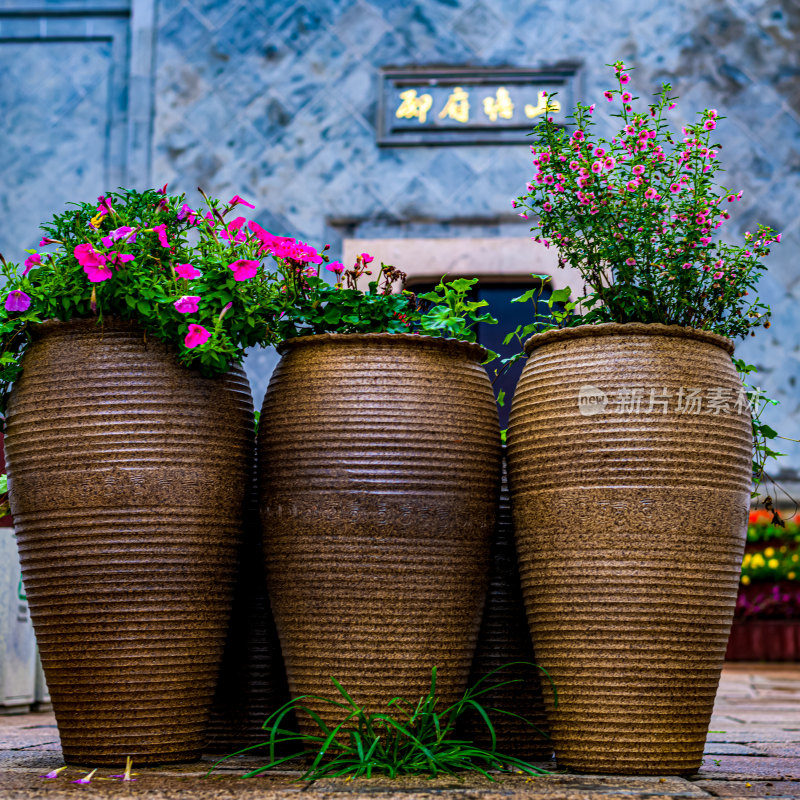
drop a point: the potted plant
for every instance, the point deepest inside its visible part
(129, 441)
(766, 623)
(630, 437)
(379, 460)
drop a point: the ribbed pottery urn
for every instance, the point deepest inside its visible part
(379, 460)
(504, 658)
(127, 476)
(252, 678)
(629, 462)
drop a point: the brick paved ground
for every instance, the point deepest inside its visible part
(753, 752)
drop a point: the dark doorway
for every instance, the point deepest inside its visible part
(499, 294)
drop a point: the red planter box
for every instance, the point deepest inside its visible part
(764, 640)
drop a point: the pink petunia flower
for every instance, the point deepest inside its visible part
(547, 206)
(86, 778)
(53, 774)
(675, 188)
(650, 193)
(187, 271)
(118, 259)
(597, 166)
(232, 232)
(626, 97)
(243, 269)
(687, 265)
(608, 96)
(638, 170)
(197, 335)
(712, 112)
(624, 78)
(631, 186)
(610, 162)
(335, 266)
(235, 200)
(17, 301)
(187, 213)
(717, 275)
(631, 262)
(187, 304)
(161, 232)
(105, 206)
(709, 124)
(573, 165)
(32, 261)
(123, 232)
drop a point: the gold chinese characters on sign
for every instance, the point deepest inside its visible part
(495, 107)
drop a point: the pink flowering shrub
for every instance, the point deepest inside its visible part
(639, 215)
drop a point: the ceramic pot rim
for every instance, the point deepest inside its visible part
(474, 352)
(83, 324)
(627, 329)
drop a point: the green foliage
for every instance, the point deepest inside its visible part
(453, 312)
(137, 279)
(408, 739)
(637, 216)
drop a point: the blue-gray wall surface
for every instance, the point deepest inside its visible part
(278, 102)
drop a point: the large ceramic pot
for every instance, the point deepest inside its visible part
(127, 476)
(504, 644)
(252, 678)
(379, 460)
(629, 462)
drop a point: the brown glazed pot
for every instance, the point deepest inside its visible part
(504, 639)
(252, 678)
(379, 460)
(611, 507)
(127, 475)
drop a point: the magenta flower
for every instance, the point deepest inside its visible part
(87, 256)
(778, 238)
(709, 124)
(197, 335)
(631, 262)
(717, 276)
(161, 232)
(335, 266)
(547, 206)
(98, 274)
(638, 170)
(573, 165)
(118, 259)
(650, 193)
(687, 265)
(86, 778)
(243, 269)
(53, 774)
(608, 96)
(631, 186)
(32, 261)
(368, 259)
(232, 232)
(105, 205)
(235, 200)
(674, 188)
(624, 78)
(127, 775)
(579, 135)
(18, 301)
(187, 304)
(712, 112)
(123, 232)
(187, 213)
(626, 97)
(187, 271)
(597, 166)
(610, 162)
(45, 241)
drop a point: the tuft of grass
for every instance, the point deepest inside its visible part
(408, 739)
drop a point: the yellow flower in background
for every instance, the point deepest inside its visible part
(758, 561)
(795, 558)
(791, 576)
(746, 580)
(746, 561)
(769, 552)
(784, 549)
(773, 563)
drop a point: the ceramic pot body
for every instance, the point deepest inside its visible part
(504, 639)
(629, 464)
(252, 679)
(127, 474)
(379, 460)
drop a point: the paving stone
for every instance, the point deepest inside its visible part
(788, 750)
(728, 749)
(750, 789)
(747, 767)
